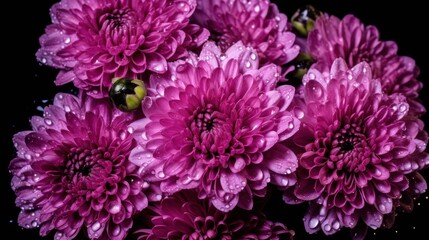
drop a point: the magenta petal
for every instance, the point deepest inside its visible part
(372, 218)
(281, 160)
(305, 190)
(156, 63)
(232, 182)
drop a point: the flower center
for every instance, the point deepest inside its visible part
(205, 119)
(80, 161)
(212, 134)
(118, 25)
(350, 150)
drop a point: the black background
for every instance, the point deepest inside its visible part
(26, 84)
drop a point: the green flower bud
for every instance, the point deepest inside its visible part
(301, 63)
(303, 20)
(127, 94)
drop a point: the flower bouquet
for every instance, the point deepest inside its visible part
(186, 119)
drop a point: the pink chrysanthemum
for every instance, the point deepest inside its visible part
(257, 23)
(184, 216)
(349, 39)
(95, 41)
(72, 171)
(216, 128)
(359, 151)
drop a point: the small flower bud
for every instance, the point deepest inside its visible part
(303, 20)
(127, 94)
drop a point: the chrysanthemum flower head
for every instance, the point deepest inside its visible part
(93, 42)
(184, 216)
(216, 128)
(360, 151)
(72, 174)
(351, 40)
(257, 23)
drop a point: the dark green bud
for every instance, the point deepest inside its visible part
(301, 63)
(127, 94)
(303, 20)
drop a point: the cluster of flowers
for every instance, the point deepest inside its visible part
(189, 110)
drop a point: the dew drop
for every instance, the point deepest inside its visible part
(48, 121)
(299, 113)
(382, 207)
(285, 181)
(27, 156)
(406, 166)
(311, 76)
(291, 125)
(314, 222)
(222, 57)
(34, 224)
(336, 225)
(257, 8)
(327, 227)
(44, 60)
(145, 185)
(95, 226)
(144, 136)
(158, 197)
(67, 108)
(161, 174)
(403, 108)
(253, 56)
(67, 40)
(122, 135)
(130, 130)
(248, 64)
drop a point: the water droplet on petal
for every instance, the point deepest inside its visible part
(27, 156)
(44, 60)
(336, 225)
(253, 56)
(314, 222)
(130, 130)
(95, 226)
(34, 224)
(67, 40)
(161, 174)
(285, 181)
(48, 121)
(158, 197)
(327, 227)
(311, 76)
(291, 125)
(299, 113)
(248, 64)
(403, 108)
(222, 57)
(257, 8)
